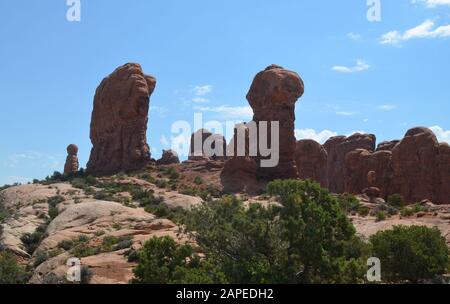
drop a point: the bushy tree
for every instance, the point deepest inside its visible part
(308, 239)
(162, 261)
(411, 254)
(10, 271)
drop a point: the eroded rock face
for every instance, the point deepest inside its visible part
(272, 96)
(311, 160)
(415, 161)
(444, 170)
(72, 164)
(169, 157)
(364, 169)
(239, 174)
(387, 145)
(119, 121)
(337, 149)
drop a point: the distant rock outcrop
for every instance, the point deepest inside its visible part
(311, 159)
(416, 164)
(119, 121)
(71, 165)
(169, 157)
(337, 149)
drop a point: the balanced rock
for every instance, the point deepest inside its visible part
(72, 164)
(337, 149)
(444, 170)
(311, 160)
(119, 121)
(272, 96)
(169, 157)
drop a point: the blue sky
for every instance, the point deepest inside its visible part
(379, 77)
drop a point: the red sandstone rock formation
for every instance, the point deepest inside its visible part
(337, 149)
(415, 161)
(169, 157)
(239, 174)
(387, 145)
(360, 163)
(272, 96)
(72, 164)
(444, 172)
(119, 121)
(311, 159)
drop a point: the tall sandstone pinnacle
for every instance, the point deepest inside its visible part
(119, 121)
(72, 164)
(272, 96)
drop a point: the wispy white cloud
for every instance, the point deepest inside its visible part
(354, 36)
(34, 159)
(387, 107)
(320, 137)
(202, 90)
(427, 29)
(441, 134)
(432, 3)
(346, 113)
(360, 66)
(229, 112)
(200, 100)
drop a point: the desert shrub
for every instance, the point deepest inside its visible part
(172, 173)
(198, 180)
(10, 271)
(190, 191)
(105, 196)
(85, 275)
(161, 183)
(380, 216)
(348, 203)
(32, 240)
(55, 200)
(40, 257)
(160, 211)
(53, 212)
(363, 211)
(5, 213)
(411, 254)
(84, 250)
(66, 244)
(396, 200)
(410, 211)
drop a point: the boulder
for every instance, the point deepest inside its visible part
(169, 157)
(71, 165)
(119, 121)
